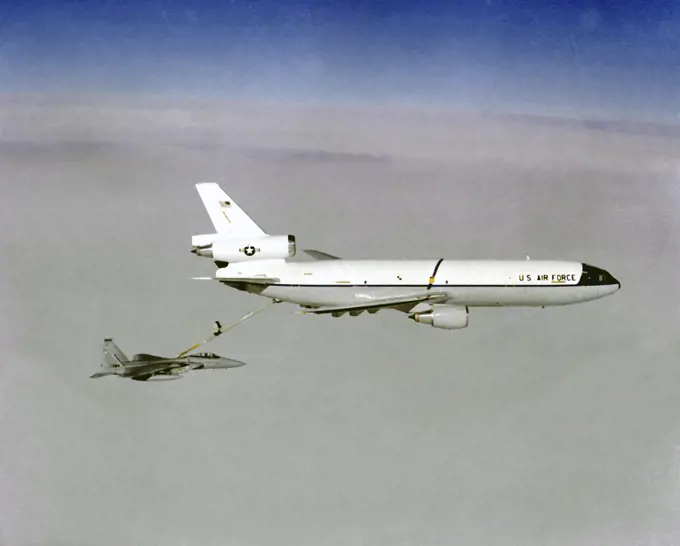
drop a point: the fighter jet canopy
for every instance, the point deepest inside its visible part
(205, 355)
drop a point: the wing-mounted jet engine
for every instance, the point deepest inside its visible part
(447, 317)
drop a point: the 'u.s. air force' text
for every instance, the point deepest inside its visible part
(552, 278)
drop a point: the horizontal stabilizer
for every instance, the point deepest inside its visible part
(319, 256)
(378, 303)
(101, 374)
(250, 280)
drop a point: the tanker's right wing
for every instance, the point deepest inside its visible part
(404, 303)
(241, 279)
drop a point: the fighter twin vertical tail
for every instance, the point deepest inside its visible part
(113, 359)
(113, 356)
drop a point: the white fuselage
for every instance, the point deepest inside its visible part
(473, 283)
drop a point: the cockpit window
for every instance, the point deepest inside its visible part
(206, 355)
(601, 278)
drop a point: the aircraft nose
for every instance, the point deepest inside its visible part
(596, 276)
(613, 283)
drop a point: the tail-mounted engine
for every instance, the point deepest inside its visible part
(222, 249)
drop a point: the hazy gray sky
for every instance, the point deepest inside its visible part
(550, 427)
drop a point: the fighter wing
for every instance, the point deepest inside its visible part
(404, 302)
(154, 368)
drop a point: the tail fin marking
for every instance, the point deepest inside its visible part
(227, 217)
(113, 356)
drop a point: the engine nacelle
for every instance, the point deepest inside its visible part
(269, 247)
(158, 377)
(449, 317)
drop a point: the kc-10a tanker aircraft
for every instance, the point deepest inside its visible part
(437, 292)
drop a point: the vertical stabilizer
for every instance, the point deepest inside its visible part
(113, 356)
(113, 361)
(227, 217)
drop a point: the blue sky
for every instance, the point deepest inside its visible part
(548, 57)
